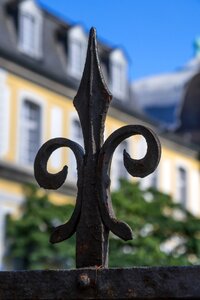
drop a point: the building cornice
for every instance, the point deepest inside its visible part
(36, 78)
(22, 175)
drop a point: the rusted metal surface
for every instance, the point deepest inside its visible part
(93, 216)
(135, 283)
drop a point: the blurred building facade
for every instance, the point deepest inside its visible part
(41, 63)
(173, 102)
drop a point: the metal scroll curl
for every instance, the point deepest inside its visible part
(54, 181)
(137, 168)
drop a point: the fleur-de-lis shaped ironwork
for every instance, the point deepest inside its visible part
(93, 215)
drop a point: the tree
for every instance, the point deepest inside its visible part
(164, 232)
(28, 236)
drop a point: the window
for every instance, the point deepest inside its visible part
(27, 37)
(118, 74)
(166, 166)
(77, 52)
(30, 131)
(118, 80)
(154, 179)
(56, 131)
(76, 136)
(30, 29)
(118, 170)
(182, 186)
(4, 114)
(151, 180)
(77, 58)
(77, 132)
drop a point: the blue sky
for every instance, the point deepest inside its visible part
(157, 35)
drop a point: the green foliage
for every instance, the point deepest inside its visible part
(28, 236)
(164, 233)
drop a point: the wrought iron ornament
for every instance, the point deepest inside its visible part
(93, 215)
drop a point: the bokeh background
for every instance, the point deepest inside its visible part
(150, 58)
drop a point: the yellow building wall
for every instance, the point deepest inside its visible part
(50, 99)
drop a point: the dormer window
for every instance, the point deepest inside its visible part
(30, 29)
(77, 51)
(27, 32)
(118, 81)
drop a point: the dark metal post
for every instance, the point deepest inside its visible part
(93, 216)
(91, 102)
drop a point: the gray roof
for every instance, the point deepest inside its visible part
(164, 89)
(173, 100)
(162, 97)
(53, 63)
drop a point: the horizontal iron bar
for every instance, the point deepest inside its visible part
(91, 283)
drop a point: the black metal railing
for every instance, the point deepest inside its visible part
(93, 215)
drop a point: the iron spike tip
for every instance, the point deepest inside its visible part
(92, 93)
(92, 42)
(92, 45)
(92, 63)
(93, 31)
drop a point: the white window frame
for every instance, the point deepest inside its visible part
(71, 157)
(117, 160)
(183, 166)
(30, 127)
(76, 36)
(5, 110)
(179, 185)
(194, 192)
(118, 80)
(155, 178)
(166, 169)
(30, 46)
(32, 97)
(56, 124)
(147, 181)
